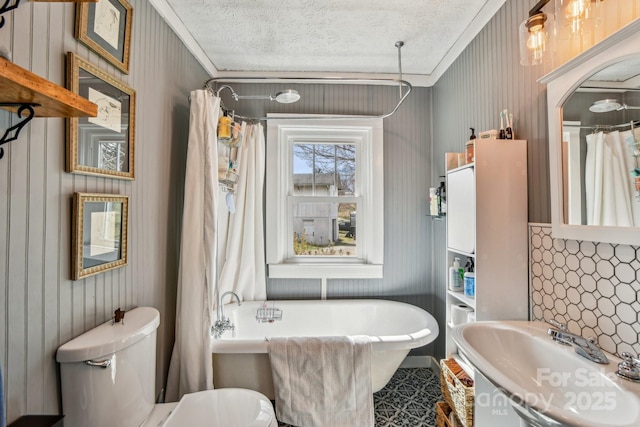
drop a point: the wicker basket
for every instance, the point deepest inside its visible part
(442, 414)
(458, 395)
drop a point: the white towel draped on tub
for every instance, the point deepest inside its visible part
(322, 381)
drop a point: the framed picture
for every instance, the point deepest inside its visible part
(102, 145)
(105, 27)
(99, 233)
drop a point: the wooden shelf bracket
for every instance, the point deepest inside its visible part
(12, 133)
(7, 7)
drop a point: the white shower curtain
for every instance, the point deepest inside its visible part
(608, 186)
(191, 368)
(241, 242)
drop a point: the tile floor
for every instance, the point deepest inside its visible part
(408, 400)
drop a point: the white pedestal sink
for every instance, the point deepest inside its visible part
(548, 383)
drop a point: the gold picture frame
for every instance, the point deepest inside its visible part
(102, 145)
(99, 233)
(105, 27)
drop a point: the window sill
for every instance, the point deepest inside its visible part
(327, 271)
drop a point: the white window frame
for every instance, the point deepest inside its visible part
(367, 134)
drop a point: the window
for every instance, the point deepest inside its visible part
(323, 178)
(112, 155)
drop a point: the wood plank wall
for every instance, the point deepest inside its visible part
(407, 172)
(40, 308)
(485, 79)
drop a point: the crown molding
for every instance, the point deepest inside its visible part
(419, 80)
(169, 15)
(481, 19)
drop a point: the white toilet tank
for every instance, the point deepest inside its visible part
(108, 373)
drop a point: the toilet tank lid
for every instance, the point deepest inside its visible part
(108, 338)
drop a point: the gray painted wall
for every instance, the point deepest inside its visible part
(407, 173)
(40, 308)
(485, 79)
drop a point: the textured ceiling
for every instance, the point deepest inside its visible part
(326, 35)
(619, 71)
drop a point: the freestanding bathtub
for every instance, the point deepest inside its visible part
(240, 357)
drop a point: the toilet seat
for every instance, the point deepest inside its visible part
(225, 407)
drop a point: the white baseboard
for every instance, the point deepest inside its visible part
(421, 362)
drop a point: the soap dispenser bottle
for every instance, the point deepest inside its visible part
(456, 282)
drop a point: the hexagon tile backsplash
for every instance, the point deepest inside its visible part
(593, 287)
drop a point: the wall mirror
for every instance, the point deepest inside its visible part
(594, 142)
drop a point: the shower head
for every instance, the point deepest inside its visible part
(605, 106)
(284, 97)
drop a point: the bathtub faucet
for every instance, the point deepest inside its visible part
(223, 323)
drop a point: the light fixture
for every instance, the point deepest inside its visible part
(283, 97)
(534, 35)
(576, 16)
(533, 39)
(538, 33)
(574, 13)
(608, 105)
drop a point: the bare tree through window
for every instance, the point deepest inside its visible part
(324, 170)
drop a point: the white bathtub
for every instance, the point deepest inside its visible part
(240, 357)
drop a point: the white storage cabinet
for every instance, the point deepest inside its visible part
(487, 221)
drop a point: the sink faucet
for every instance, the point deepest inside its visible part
(585, 347)
(223, 323)
(629, 368)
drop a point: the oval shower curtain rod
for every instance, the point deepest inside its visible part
(209, 85)
(290, 95)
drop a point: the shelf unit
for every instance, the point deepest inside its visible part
(487, 222)
(29, 95)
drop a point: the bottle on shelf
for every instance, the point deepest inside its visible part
(224, 126)
(470, 284)
(442, 199)
(456, 276)
(469, 279)
(508, 134)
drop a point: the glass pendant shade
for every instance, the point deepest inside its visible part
(575, 17)
(534, 39)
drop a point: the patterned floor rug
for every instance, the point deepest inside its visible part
(408, 400)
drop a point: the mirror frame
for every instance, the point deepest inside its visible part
(561, 83)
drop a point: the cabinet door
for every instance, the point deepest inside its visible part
(461, 210)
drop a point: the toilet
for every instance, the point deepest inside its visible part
(108, 379)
